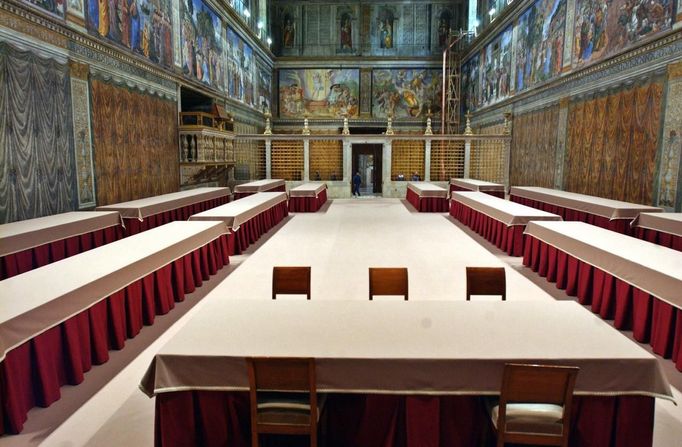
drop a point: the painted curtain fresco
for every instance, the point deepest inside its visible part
(240, 69)
(496, 71)
(143, 26)
(323, 93)
(136, 144)
(606, 27)
(54, 6)
(36, 149)
(611, 144)
(407, 93)
(540, 43)
(533, 148)
(202, 50)
(471, 83)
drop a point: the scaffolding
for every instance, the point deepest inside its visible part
(451, 109)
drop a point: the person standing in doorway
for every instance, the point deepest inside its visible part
(356, 184)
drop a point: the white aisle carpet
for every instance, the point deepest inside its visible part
(339, 243)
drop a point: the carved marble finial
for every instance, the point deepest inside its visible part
(306, 129)
(467, 129)
(429, 130)
(346, 130)
(507, 123)
(268, 130)
(389, 125)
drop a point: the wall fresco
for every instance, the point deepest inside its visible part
(496, 70)
(540, 43)
(322, 93)
(471, 83)
(142, 26)
(406, 93)
(606, 27)
(202, 46)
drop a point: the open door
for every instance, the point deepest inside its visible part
(367, 160)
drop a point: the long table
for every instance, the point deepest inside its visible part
(29, 244)
(151, 212)
(470, 184)
(427, 197)
(267, 185)
(410, 359)
(660, 228)
(606, 213)
(59, 320)
(636, 283)
(499, 221)
(247, 219)
(308, 197)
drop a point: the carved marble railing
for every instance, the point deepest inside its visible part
(206, 145)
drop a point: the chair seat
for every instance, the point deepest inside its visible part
(286, 408)
(544, 419)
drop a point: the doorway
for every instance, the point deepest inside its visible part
(367, 161)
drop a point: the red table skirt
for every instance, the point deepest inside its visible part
(32, 373)
(32, 258)
(251, 230)
(213, 418)
(651, 320)
(506, 238)
(619, 225)
(427, 204)
(499, 194)
(659, 237)
(239, 195)
(307, 204)
(134, 225)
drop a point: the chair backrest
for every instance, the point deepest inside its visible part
(281, 374)
(486, 281)
(388, 281)
(290, 281)
(536, 384)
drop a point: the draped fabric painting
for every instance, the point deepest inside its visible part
(36, 145)
(612, 142)
(533, 148)
(136, 146)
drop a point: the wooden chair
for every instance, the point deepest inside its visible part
(289, 405)
(486, 281)
(290, 281)
(388, 281)
(535, 405)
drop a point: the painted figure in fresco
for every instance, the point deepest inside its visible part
(289, 32)
(103, 28)
(386, 33)
(346, 32)
(93, 14)
(124, 20)
(443, 28)
(114, 30)
(134, 11)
